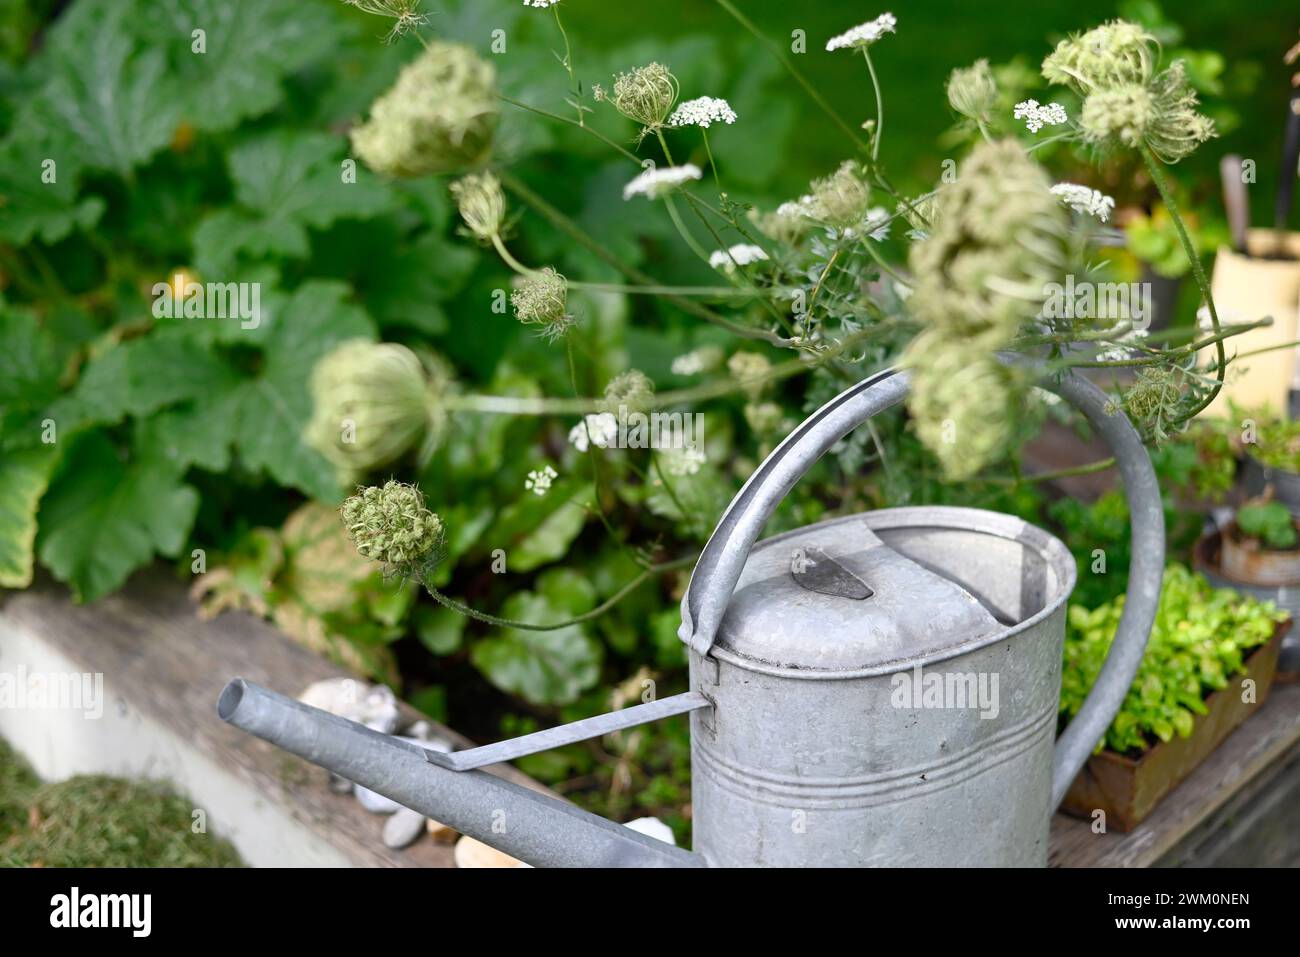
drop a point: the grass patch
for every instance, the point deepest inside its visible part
(98, 821)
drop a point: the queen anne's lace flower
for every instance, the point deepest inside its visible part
(1084, 199)
(864, 34)
(600, 430)
(683, 461)
(653, 183)
(540, 4)
(539, 480)
(739, 255)
(702, 112)
(698, 360)
(1036, 117)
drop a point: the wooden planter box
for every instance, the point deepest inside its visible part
(1128, 789)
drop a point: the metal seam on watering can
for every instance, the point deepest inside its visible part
(877, 790)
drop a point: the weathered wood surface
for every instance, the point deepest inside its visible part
(158, 656)
(1248, 771)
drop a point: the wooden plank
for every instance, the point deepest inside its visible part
(161, 659)
(1242, 766)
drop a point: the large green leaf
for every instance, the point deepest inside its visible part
(274, 408)
(537, 529)
(285, 183)
(38, 190)
(24, 477)
(108, 95)
(248, 48)
(29, 372)
(104, 517)
(141, 376)
(543, 667)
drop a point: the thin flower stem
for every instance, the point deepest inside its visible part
(1088, 468)
(690, 240)
(713, 165)
(1158, 177)
(510, 260)
(521, 405)
(627, 154)
(460, 607)
(776, 51)
(568, 65)
(571, 229)
(880, 107)
(523, 270)
(884, 266)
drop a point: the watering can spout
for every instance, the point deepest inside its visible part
(533, 827)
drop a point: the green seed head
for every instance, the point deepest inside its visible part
(1114, 54)
(481, 203)
(541, 299)
(1153, 400)
(998, 237)
(390, 525)
(373, 403)
(841, 199)
(972, 91)
(646, 94)
(439, 117)
(964, 403)
(632, 391)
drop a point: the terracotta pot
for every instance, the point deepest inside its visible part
(1243, 559)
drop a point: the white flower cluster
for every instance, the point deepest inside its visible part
(539, 481)
(864, 34)
(1121, 351)
(600, 430)
(1036, 117)
(1084, 199)
(653, 183)
(702, 111)
(740, 255)
(683, 461)
(876, 225)
(540, 4)
(696, 361)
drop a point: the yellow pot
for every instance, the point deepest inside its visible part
(1248, 288)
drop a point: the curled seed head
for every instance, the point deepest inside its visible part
(541, 299)
(391, 525)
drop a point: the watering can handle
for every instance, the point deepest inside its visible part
(720, 564)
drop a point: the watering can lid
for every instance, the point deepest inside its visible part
(834, 597)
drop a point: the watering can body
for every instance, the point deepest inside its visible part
(878, 689)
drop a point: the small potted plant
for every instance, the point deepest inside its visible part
(1259, 545)
(1185, 699)
(1273, 462)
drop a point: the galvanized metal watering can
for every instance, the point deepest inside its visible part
(879, 689)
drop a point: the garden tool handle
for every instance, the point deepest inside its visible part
(723, 558)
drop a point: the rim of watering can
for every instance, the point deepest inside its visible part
(1052, 550)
